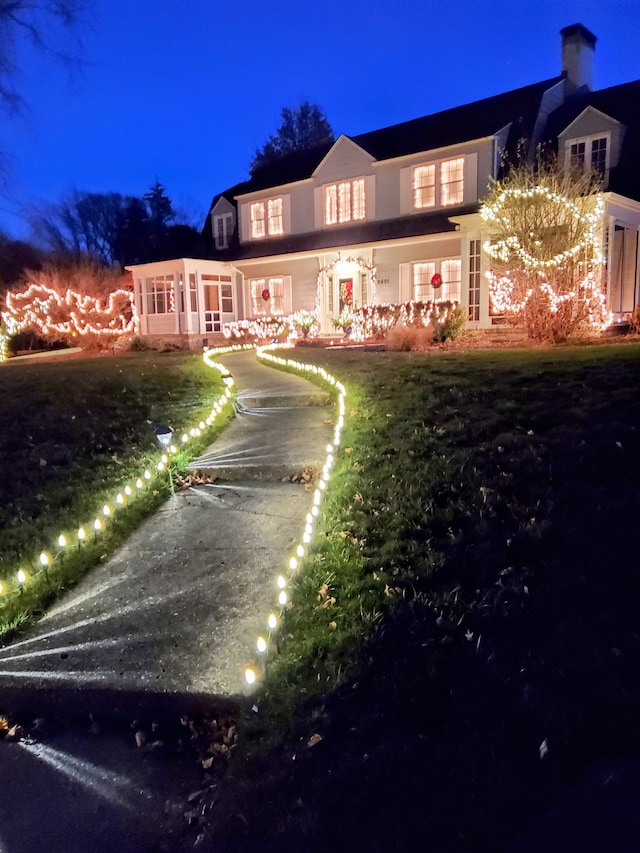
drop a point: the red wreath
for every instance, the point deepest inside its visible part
(436, 280)
(265, 294)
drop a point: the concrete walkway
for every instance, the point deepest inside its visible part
(170, 619)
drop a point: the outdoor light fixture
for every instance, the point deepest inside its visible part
(163, 435)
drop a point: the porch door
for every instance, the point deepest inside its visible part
(212, 308)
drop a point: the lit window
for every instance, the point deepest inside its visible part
(274, 217)
(257, 220)
(424, 186)
(267, 218)
(452, 181)
(344, 202)
(160, 295)
(267, 296)
(222, 230)
(437, 280)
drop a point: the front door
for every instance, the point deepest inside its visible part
(212, 308)
(345, 293)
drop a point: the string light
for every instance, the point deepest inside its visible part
(68, 314)
(98, 524)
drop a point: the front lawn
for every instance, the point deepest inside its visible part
(465, 635)
(72, 433)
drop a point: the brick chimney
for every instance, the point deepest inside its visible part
(578, 48)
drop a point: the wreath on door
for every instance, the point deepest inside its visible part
(266, 295)
(436, 280)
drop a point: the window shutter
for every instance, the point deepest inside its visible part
(406, 190)
(370, 197)
(405, 283)
(471, 178)
(318, 205)
(245, 217)
(288, 296)
(286, 214)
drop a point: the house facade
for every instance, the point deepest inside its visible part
(393, 215)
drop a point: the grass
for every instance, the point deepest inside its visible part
(465, 634)
(71, 434)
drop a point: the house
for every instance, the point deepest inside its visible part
(393, 215)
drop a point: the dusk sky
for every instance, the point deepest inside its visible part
(184, 91)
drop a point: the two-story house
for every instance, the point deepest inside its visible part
(393, 215)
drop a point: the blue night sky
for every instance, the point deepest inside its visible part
(185, 90)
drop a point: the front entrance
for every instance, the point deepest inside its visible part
(212, 322)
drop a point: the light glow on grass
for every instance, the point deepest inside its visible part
(98, 524)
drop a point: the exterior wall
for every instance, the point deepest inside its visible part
(345, 160)
(303, 273)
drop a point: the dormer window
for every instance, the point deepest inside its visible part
(344, 202)
(590, 153)
(266, 218)
(222, 230)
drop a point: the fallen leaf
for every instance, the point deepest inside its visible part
(314, 739)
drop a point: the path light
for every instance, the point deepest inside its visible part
(163, 435)
(261, 645)
(272, 622)
(21, 576)
(62, 541)
(44, 560)
(81, 534)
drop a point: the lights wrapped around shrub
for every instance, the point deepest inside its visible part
(66, 315)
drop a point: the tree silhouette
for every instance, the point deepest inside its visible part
(301, 128)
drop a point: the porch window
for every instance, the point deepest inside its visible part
(193, 293)
(267, 296)
(267, 218)
(160, 294)
(452, 181)
(344, 202)
(450, 272)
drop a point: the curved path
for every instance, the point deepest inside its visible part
(169, 620)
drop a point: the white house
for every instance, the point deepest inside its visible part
(374, 217)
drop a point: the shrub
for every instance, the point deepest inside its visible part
(409, 338)
(448, 322)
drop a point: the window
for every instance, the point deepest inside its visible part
(193, 293)
(267, 296)
(267, 218)
(225, 296)
(449, 271)
(591, 153)
(222, 230)
(344, 202)
(274, 217)
(160, 294)
(438, 184)
(474, 279)
(424, 186)
(452, 181)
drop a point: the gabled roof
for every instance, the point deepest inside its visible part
(460, 124)
(622, 104)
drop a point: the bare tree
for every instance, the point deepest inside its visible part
(47, 24)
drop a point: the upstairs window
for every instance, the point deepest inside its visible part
(424, 186)
(222, 230)
(344, 202)
(267, 218)
(438, 184)
(589, 154)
